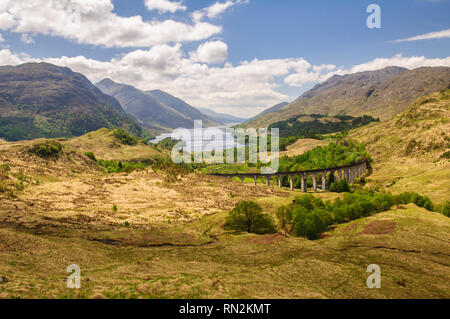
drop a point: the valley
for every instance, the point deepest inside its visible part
(140, 226)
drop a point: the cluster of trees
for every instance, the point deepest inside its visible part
(249, 217)
(333, 155)
(168, 143)
(121, 166)
(157, 163)
(308, 216)
(320, 124)
(445, 209)
(125, 137)
(47, 149)
(340, 187)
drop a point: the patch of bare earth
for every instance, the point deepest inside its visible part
(378, 227)
(266, 239)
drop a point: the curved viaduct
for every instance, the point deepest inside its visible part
(348, 173)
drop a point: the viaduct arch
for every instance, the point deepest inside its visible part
(348, 173)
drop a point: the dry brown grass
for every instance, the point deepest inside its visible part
(302, 146)
(407, 149)
(166, 240)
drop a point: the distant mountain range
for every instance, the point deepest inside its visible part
(381, 94)
(44, 100)
(155, 110)
(272, 109)
(221, 118)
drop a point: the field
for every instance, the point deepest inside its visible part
(154, 234)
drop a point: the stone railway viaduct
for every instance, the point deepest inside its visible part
(348, 173)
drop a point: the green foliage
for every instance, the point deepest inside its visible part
(47, 149)
(446, 155)
(284, 216)
(168, 143)
(286, 141)
(113, 166)
(157, 163)
(419, 200)
(445, 210)
(125, 137)
(114, 208)
(310, 224)
(248, 216)
(333, 155)
(91, 156)
(312, 216)
(340, 187)
(320, 125)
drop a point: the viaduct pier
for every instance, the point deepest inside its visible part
(348, 173)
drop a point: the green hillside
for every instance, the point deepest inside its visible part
(44, 100)
(315, 124)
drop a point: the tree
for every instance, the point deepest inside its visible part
(248, 216)
(284, 216)
(340, 187)
(446, 209)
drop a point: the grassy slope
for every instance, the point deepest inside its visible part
(407, 148)
(106, 146)
(414, 260)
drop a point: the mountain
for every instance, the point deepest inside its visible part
(220, 117)
(182, 107)
(155, 110)
(272, 109)
(381, 94)
(44, 100)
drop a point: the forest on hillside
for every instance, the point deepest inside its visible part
(311, 126)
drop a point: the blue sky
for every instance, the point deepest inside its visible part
(233, 56)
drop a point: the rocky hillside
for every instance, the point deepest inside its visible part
(44, 100)
(156, 110)
(221, 117)
(421, 131)
(272, 109)
(381, 94)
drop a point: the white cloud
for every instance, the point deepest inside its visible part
(164, 6)
(211, 52)
(6, 19)
(243, 90)
(1, 38)
(427, 36)
(94, 22)
(9, 58)
(26, 38)
(401, 61)
(216, 9)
